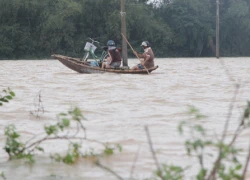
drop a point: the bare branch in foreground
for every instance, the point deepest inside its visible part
(34, 144)
(219, 158)
(135, 160)
(230, 111)
(247, 163)
(153, 152)
(108, 170)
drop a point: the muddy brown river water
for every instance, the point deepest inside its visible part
(117, 107)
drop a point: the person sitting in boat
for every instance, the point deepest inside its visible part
(148, 57)
(114, 59)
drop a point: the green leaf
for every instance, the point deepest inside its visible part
(40, 149)
(119, 147)
(207, 143)
(63, 114)
(15, 135)
(180, 127)
(3, 175)
(193, 110)
(4, 100)
(12, 93)
(201, 174)
(66, 122)
(200, 116)
(30, 158)
(50, 129)
(200, 129)
(238, 167)
(108, 151)
(57, 157)
(69, 159)
(9, 97)
(246, 113)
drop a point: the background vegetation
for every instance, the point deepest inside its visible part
(175, 28)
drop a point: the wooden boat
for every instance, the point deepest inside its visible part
(85, 67)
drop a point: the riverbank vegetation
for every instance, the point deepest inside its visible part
(175, 28)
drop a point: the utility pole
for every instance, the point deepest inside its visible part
(124, 32)
(217, 29)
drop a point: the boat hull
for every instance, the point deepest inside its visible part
(83, 67)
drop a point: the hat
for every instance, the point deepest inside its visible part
(145, 43)
(110, 43)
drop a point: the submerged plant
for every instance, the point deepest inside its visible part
(3, 175)
(226, 165)
(38, 106)
(170, 172)
(62, 130)
(8, 95)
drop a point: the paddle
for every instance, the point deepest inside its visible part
(134, 51)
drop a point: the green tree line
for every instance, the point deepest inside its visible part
(175, 28)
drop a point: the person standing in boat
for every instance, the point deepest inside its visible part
(114, 59)
(148, 57)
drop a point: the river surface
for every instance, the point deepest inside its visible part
(117, 108)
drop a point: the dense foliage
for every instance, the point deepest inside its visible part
(36, 29)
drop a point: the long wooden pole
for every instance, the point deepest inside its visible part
(123, 30)
(133, 51)
(217, 29)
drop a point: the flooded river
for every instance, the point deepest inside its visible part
(117, 107)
